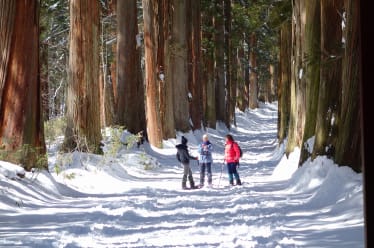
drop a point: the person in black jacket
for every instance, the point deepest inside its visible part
(184, 157)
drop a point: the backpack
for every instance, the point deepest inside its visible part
(240, 149)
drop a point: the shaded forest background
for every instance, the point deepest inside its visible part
(162, 66)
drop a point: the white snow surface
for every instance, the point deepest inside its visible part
(133, 197)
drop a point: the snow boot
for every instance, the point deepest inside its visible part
(238, 182)
(231, 182)
(184, 185)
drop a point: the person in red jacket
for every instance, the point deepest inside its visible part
(232, 155)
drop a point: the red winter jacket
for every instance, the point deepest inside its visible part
(232, 152)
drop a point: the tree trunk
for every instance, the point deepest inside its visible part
(194, 83)
(21, 122)
(44, 80)
(7, 16)
(219, 63)
(312, 74)
(83, 111)
(253, 80)
(330, 86)
(284, 81)
(229, 84)
(210, 93)
(348, 146)
(271, 84)
(178, 66)
(298, 86)
(241, 96)
(151, 34)
(166, 85)
(130, 89)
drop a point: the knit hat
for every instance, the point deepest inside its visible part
(184, 140)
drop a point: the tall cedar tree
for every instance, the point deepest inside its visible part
(284, 80)
(348, 148)
(178, 65)
(330, 81)
(297, 93)
(219, 25)
(194, 82)
(312, 71)
(208, 81)
(21, 122)
(151, 34)
(164, 70)
(83, 105)
(130, 89)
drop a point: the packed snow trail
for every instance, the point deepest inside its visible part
(136, 200)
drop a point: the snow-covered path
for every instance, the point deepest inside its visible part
(120, 204)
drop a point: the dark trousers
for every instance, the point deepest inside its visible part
(187, 173)
(231, 169)
(208, 168)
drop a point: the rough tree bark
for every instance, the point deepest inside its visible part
(83, 110)
(298, 86)
(178, 66)
(312, 72)
(348, 146)
(21, 122)
(330, 78)
(219, 63)
(194, 82)
(284, 81)
(130, 99)
(253, 88)
(151, 34)
(209, 81)
(163, 63)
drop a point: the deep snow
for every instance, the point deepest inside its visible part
(133, 198)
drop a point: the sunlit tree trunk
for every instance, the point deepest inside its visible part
(312, 72)
(83, 111)
(130, 109)
(298, 85)
(151, 34)
(21, 122)
(330, 78)
(348, 146)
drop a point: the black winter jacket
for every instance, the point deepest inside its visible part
(182, 154)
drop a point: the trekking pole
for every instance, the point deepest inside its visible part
(219, 181)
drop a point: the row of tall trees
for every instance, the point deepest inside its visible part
(163, 66)
(319, 95)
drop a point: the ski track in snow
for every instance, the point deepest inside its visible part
(148, 208)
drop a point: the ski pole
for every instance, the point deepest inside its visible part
(219, 181)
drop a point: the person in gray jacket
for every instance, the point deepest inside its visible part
(205, 160)
(184, 157)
